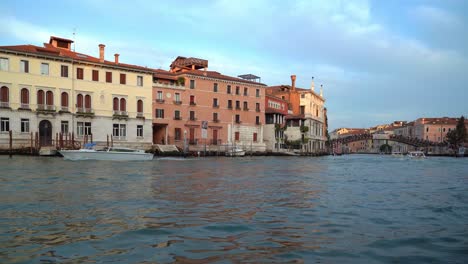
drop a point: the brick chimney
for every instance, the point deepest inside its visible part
(101, 52)
(116, 58)
(293, 82)
(312, 85)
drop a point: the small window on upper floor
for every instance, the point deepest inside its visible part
(228, 89)
(139, 80)
(246, 91)
(215, 87)
(192, 84)
(80, 73)
(24, 66)
(109, 77)
(123, 78)
(237, 90)
(257, 92)
(95, 75)
(4, 64)
(64, 71)
(44, 68)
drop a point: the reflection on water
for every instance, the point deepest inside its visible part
(222, 210)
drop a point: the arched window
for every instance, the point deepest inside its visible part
(116, 104)
(4, 96)
(64, 100)
(79, 101)
(49, 98)
(88, 101)
(40, 97)
(140, 106)
(24, 98)
(123, 105)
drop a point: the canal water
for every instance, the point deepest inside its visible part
(347, 209)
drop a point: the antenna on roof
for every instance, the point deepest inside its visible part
(74, 42)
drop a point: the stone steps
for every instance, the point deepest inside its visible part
(167, 148)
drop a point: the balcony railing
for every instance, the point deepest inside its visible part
(42, 107)
(120, 113)
(193, 119)
(140, 115)
(177, 102)
(246, 109)
(83, 110)
(5, 104)
(229, 107)
(64, 109)
(193, 103)
(216, 120)
(238, 108)
(177, 118)
(25, 106)
(215, 106)
(161, 101)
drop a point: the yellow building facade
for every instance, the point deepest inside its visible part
(53, 89)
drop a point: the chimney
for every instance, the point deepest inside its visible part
(116, 58)
(312, 85)
(101, 52)
(293, 82)
(321, 90)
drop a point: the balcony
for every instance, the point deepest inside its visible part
(258, 109)
(25, 107)
(216, 120)
(84, 112)
(238, 121)
(140, 115)
(177, 118)
(245, 109)
(4, 104)
(120, 114)
(64, 109)
(45, 108)
(193, 119)
(161, 101)
(229, 107)
(193, 103)
(177, 102)
(238, 108)
(215, 106)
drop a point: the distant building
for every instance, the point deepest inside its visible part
(434, 129)
(276, 109)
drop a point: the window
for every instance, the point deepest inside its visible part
(95, 75)
(4, 64)
(64, 71)
(49, 98)
(40, 98)
(229, 104)
(237, 90)
(4, 96)
(177, 115)
(254, 137)
(159, 96)
(79, 101)
(257, 107)
(302, 95)
(44, 68)
(238, 119)
(64, 127)
(215, 87)
(25, 98)
(123, 78)
(80, 73)
(24, 66)
(427, 129)
(246, 91)
(257, 120)
(238, 105)
(215, 117)
(236, 136)
(64, 101)
(177, 134)
(87, 102)
(140, 107)
(109, 77)
(228, 89)
(139, 80)
(302, 109)
(119, 130)
(215, 102)
(192, 100)
(24, 125)
(192, 115)
(83, 128)
(177, 97)
(159, 113)
(123, 105)
(257, 92)
(192, 84)
(246, 106)
(4, 124)
(140, 131)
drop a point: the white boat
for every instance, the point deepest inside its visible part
(112, 153)
(416, 155)
(235, 152)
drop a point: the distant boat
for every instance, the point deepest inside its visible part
(416, 155)
(112, 153)
(235, 152)
(397, 154)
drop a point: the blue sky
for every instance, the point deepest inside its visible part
(379, 61)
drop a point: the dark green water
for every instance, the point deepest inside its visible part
(348, 209)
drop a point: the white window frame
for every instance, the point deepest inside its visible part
(4, 124)
(177, 97)
(83, 129)
(43, 68)
(139, 80)
(4, 64)
(119, 131)
(159, 95)
(140, 131)
(64, 127)
(22, 66)
(24, 125)
(159, 113)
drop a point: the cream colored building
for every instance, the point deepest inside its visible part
(53, 89)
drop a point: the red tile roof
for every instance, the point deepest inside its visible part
(49, 50)
(217, 75)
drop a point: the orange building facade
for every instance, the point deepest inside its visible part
(206, 109)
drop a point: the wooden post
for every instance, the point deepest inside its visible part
(56, 140)
(91, 138)
(32, 143)
(112, 141)
(73, 139)
(107, 140)
(11, 142)
(61, 140)
(37, 140)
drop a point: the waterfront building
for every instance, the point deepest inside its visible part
(433, 129)
(306, 119)
(53, 89)
(206, 109)
(276, 109)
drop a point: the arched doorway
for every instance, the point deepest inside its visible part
(45, 133)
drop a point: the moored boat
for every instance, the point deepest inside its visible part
(235, 152)
(416, 155)
(112, 153)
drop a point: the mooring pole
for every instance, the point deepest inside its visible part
(11, 142)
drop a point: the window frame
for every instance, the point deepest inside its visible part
(45, 66)
(25, 124)
(24, 68)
